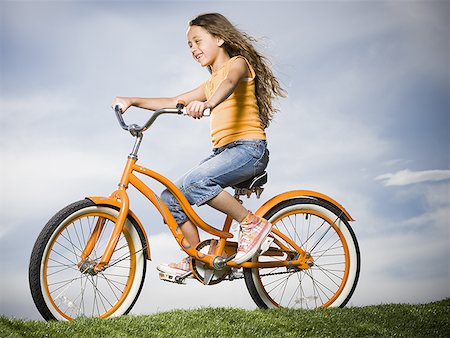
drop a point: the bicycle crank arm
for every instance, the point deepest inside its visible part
(219, 262)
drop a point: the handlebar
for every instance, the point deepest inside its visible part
(136, 130)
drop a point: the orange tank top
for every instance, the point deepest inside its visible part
(236, 118)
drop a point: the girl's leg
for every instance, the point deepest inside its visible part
(229, 205)
(190, 232)
(223, 202)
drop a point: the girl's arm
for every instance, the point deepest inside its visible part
(238, 70)
(198, 94)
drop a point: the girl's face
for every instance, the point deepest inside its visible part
(204, 47)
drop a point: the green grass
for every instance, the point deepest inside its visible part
(390, 320)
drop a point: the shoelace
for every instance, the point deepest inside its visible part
(246, 235)
(244, 243)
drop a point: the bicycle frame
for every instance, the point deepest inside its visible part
(119, 198)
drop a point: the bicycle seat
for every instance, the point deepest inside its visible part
(252, 185)
(254, 182)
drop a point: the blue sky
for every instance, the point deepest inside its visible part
(366, 122)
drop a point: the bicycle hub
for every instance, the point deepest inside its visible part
(87, 267)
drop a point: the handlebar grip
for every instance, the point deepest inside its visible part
(181, 106)
(118, 108)
(206, 112)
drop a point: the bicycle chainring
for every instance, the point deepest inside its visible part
(205, 273)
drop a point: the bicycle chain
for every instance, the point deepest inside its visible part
(267, 274)
(264, 275)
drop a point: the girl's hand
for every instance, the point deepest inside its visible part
(196, 108)
(124, 102)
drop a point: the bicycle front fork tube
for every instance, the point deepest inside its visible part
(116, 231)
(95, 235)
(122, 197)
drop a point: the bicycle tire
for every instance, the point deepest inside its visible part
(61, 290)
(332, 279)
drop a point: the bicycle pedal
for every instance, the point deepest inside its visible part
(236, 273)
(171, 278)
(265, 245)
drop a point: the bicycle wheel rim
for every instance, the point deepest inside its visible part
(302, 288)
(72, 293)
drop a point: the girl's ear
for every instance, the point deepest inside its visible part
(220, 42)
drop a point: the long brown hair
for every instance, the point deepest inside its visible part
(237, 42)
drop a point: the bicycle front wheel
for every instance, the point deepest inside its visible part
(322, 231)
(64, 287)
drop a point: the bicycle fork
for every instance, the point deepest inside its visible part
(122, 197)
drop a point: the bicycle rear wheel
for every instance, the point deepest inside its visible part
(63, 288)
(321, 230)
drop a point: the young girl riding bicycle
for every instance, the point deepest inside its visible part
(239, 93)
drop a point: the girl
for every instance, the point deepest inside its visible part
(239, 93)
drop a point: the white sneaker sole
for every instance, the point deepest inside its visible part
(170, 270)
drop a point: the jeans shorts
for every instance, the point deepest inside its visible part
(229, 165)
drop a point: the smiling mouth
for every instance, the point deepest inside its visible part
(198, 56)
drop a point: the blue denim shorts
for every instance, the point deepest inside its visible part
(229, 165)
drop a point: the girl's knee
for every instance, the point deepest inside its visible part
(167, 197)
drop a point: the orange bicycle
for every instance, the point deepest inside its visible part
(90, 258)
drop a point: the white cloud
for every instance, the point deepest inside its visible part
(406, 177)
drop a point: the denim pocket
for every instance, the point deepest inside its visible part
(256, 148)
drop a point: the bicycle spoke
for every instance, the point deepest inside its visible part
(294, 294)
(307, 233)
(66, 283)
(321, 252)
(74, 248)
(68, 249)
(83, 291)
(111, 285)
(314, 232)
(64, 257)
(80, 242)
(61, 270)
(294, 227)
(327, 273)
(280, 280)
(317, 284)
(82, 232)
(284, 287)
(98, 295)
(336, 263)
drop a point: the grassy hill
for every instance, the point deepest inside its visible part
(389, 320)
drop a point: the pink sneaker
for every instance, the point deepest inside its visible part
(254, 230)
